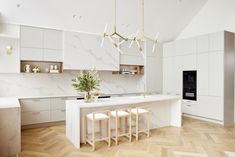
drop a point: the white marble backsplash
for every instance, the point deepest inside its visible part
(56, 85)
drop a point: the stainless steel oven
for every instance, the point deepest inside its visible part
(190, 85)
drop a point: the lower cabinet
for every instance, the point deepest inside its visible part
(206, 107)
(36, 111)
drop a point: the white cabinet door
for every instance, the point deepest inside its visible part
(35, 117)
(154, 74)
(31, 37)
(210, 107)
(168, 49)
(53, 55)
(53, 39)
(202, 73)
(186, 46)
(9, 63)
(189, 62)
(83, 51)
(31, 54)
(35, 104)
(189, 107)
(203, 43)
(216, 41)
(167, 75)
(58, 115)
(216, 74)
(176, 73)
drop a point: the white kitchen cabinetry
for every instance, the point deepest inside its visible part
(203, 43)
(35, 111)
(83, 51)
(43, 110)
(39, 44)
(216, 41)
(211, 58)
(203, 74)
(216, 73)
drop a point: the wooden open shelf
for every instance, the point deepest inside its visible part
(42, 65)
(130, 70)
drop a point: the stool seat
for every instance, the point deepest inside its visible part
(140, 111)
(97, 116)
(119, 113)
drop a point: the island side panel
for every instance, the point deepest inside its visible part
(176, 113)
(73, 123)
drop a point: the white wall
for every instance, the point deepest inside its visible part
(160, 15)
(216, 15)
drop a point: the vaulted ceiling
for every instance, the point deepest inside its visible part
(169, 17)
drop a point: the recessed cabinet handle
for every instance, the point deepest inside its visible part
(36, 100)
(188, 105)
(63, 110)
(35, 113)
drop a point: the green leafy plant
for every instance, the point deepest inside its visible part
(87, 81)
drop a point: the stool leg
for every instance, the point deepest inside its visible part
(85, 129)
(93, 135)
(137, 127)
(116, 119)
(130, 129)
(109, 132)
(100, 128)
(126, 124)
(148, 119)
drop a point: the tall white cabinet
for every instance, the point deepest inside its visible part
(212, 56)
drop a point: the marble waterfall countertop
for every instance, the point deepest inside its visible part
(6, 102)
(113, 101)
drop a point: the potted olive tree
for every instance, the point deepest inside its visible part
(87, 81)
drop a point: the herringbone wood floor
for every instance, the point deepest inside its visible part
(195, 139)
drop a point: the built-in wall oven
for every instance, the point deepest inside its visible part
(190, 85)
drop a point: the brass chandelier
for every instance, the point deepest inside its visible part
(135, 39)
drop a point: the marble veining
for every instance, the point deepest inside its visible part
(55, 85)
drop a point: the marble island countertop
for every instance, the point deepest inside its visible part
(7, 102)
(122, 100)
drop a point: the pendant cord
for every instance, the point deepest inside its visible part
(115, 15)
(143, 17)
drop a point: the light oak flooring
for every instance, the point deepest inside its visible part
(195, 139)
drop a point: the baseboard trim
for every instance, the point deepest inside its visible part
(41, 125)
(203, 119)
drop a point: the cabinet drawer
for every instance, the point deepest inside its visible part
(189, 107)
(58, 103)
(58, 115)
(35, 105)
(35, 117)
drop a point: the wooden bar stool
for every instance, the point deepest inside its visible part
(137, 112)
(94, 117)
(118, 115)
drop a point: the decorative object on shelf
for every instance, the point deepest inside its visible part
(36, 70)
(96, 96)
(27, 68)
(143, 36)
(9, 49)
(130, 70)
(87, 81)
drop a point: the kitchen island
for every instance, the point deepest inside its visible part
(165, 111)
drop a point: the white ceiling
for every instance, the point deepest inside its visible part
(169, 17)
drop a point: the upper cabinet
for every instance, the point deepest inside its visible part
(216, 41)
(83, 52)
(39, 44)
